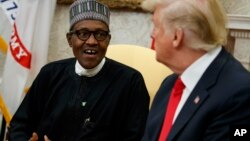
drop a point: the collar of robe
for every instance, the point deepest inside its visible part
(88, 72)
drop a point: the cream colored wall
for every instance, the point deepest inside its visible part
(239, 11)
(241, 7)
(127, 27)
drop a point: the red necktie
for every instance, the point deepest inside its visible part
(171, 107)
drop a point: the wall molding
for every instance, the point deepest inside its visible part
(241, 22)
(240, 34)
(239, 29)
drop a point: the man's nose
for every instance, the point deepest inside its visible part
(91, 40)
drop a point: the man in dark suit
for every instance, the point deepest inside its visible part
(189, 37)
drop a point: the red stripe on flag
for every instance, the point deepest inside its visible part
(18, 50)
(153, 44)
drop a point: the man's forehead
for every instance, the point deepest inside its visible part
(90, 24)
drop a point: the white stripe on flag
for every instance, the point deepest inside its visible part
(8, 12)
(32, 36)
(10, 8)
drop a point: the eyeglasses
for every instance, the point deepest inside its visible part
(84, 34)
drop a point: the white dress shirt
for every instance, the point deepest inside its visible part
(192, 75)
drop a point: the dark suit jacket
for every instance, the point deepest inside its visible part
(224, 92)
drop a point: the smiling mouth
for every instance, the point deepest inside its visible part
(90, 52)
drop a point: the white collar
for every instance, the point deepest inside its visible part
(88, 72)
(193, 73)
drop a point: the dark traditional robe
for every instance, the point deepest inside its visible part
(110, 106)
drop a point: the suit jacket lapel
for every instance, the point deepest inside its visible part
(199, 94)
(191, 106)
(159, 104)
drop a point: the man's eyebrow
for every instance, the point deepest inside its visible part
(85, 28)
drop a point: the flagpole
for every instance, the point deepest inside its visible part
(6, 114)
(3, 128)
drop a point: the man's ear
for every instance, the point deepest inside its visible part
(69, 36)
(178, 37)
(109, 38)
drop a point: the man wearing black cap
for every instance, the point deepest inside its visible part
(86, 98)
